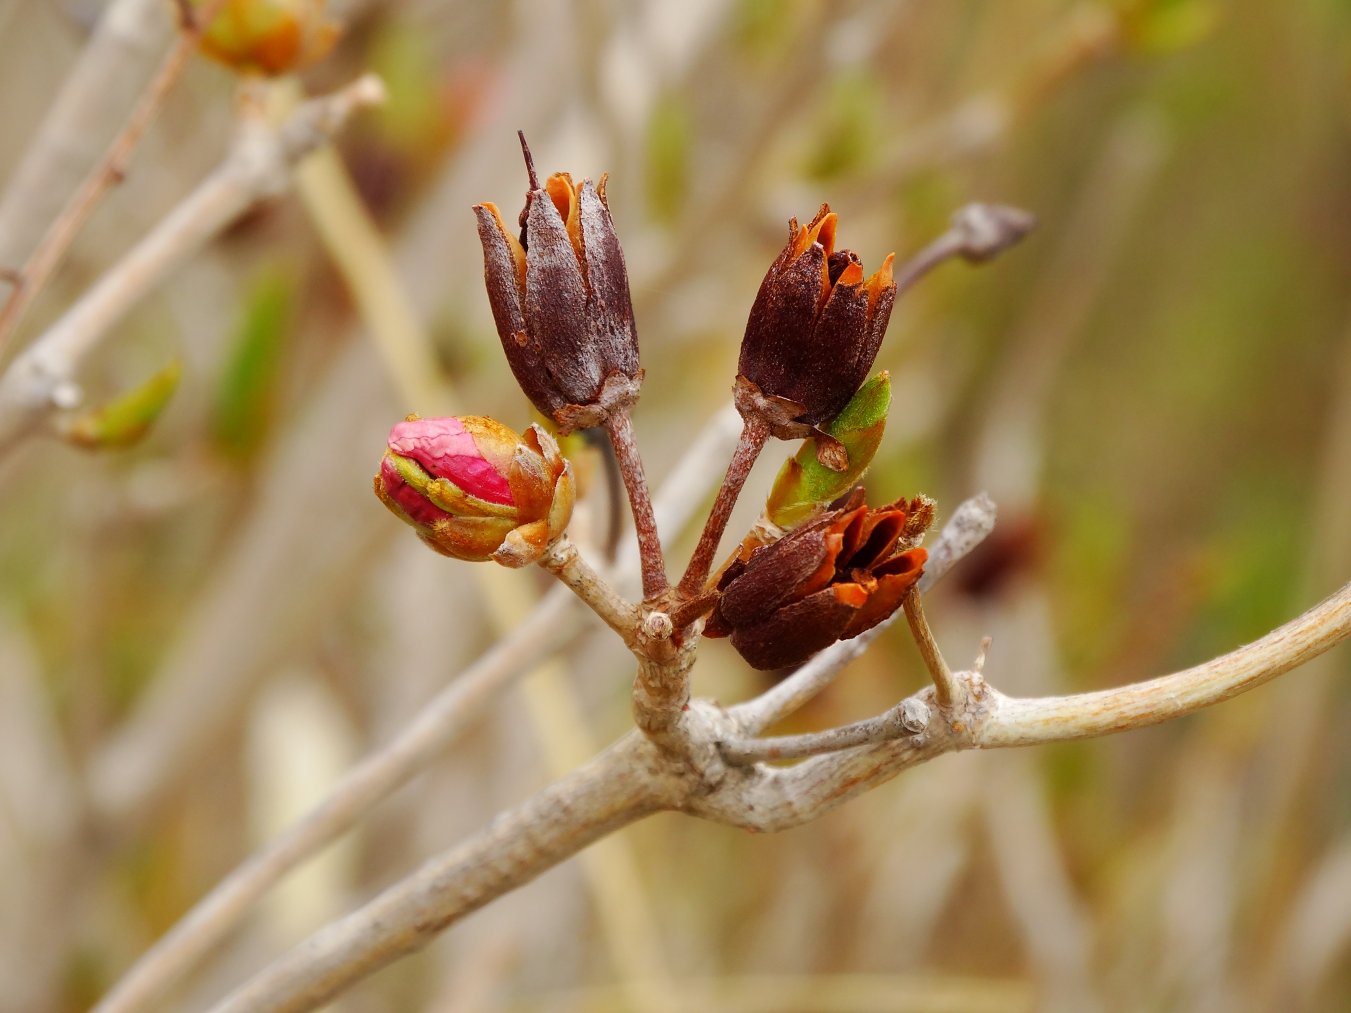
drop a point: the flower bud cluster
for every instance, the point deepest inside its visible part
(559, 292)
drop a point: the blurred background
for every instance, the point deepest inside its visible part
(199, 634)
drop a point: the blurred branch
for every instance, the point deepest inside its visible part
(358, 251)
(257, 166)
(80, 121)
(822, 993)
(110, 171)
(375, 778)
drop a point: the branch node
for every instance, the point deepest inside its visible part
(913, 716)
(657, 626)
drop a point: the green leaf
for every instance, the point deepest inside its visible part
(804, 486)
(245, 399)
(123, 421)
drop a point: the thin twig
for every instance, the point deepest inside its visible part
(619, 427)
(110, 171)
(970, 524)
(752, 441)
(909, 717)
(564, 561)
(946, 687)
(978, 232)
(256, 167)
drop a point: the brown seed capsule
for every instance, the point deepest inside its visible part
(831, 579)
(813, 331)
(560, 299)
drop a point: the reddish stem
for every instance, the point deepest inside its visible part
(619, 427)
(748, 447)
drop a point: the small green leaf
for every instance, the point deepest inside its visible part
(245, 399)
(123, 421)
(804, 486)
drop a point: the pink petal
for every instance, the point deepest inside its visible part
(445, 449)
(410, 501)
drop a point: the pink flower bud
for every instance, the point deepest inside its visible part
(474, 489)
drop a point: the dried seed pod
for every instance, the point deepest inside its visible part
(560, 299)
(812, 335)
(830, 579)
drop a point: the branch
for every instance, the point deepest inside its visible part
(773, 799)
(1022, 722)
(256, 167)
(978, 232)
(81, 119)
(633, 779)
(909, 717)
(616, 788)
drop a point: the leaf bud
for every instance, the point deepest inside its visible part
(269, 37)
(804, 487)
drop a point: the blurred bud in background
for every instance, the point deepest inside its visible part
(475, 490)
(270, 37)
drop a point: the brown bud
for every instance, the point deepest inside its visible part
(560, 299)
(831, 579)
(813, 331)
